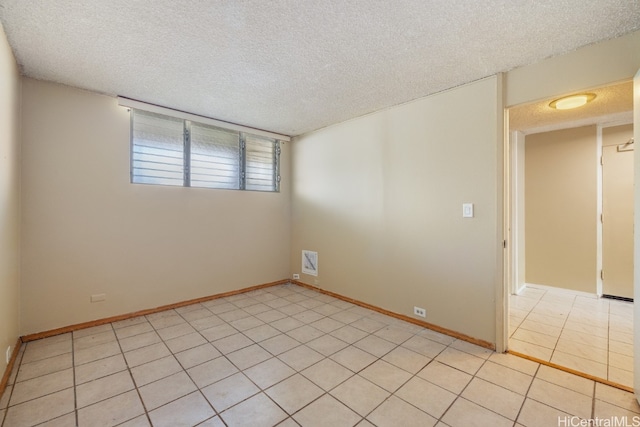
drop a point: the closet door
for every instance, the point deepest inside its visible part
(617, 220)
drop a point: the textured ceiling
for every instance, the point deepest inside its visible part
(292, 66)
(612, 103)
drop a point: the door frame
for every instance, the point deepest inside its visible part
(513, 219)
(636, 238)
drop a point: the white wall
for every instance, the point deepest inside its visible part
(87, 230)
(517, 211)
(380, 198)
(9, 200)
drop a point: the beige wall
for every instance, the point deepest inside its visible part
(86, 230)
(380, 198)
(9, 200)
(592, 66)
(561, 208)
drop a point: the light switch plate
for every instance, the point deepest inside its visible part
(467, 210)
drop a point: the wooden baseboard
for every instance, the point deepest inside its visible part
(98, 322)
(436, 328)
(572, 371)
(9, 368)
(422, 323)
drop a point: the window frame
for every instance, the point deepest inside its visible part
(187, 151)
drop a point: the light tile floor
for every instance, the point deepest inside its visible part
(287, 356)
(575, 330)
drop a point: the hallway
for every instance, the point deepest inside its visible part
(576, 330)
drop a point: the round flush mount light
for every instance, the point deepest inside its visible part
(572, 101)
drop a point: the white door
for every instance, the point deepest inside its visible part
(617, 221)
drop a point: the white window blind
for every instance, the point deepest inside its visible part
(215, 157)
(157, 155)
(167, 150)
(260, 166)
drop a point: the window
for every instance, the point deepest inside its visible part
(172, 151)
(260, 165)
(157, 152)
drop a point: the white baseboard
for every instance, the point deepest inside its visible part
(559, 290)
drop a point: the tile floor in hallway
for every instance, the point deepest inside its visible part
(576, 330)
(288, 356)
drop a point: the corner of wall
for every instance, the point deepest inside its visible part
(10, 169)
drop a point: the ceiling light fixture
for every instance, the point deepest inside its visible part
(572, 101)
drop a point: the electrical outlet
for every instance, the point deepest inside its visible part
(8, 355)
(419, 311)
(98, 297)
(296, 276)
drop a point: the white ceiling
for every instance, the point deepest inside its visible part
(292, 66)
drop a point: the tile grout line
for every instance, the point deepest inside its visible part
(325, 392)
(531, 310)
(460, 396)
(199, 389)
(240, 371)
(564, 324)
(162, 340)
(386, 324)
(173, 354)
(378, 358)
(555, 347)
(390, 350)
(569, 389)
(577, 308)
(608, 343)
(526, 394)
(16, 366)
(439, 419)
(135, 385)
(75, 390)
(263, 391)
(593, 402)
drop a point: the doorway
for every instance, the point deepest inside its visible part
(556, 311)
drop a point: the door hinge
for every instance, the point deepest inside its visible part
(601, 275)
(504, 244)
(602, 218)
(601, 160)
